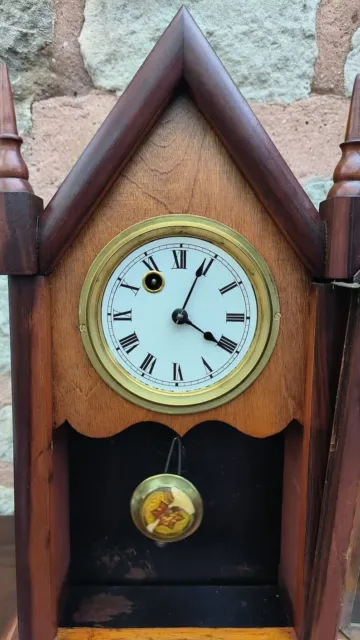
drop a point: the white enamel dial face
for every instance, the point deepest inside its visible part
(138, 325)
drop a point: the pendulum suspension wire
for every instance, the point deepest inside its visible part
(176, 441)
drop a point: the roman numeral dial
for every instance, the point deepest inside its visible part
(188, 334)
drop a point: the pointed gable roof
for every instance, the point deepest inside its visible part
(182, 55)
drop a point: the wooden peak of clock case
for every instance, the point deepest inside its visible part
(181, 139)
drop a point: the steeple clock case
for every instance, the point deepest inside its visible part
(176, 346)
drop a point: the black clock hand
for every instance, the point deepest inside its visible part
(180, 316)
(207, 334)
(198, 273)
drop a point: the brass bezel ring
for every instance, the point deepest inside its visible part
(179, 402)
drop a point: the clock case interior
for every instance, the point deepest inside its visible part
(233, 559)
(188, 143)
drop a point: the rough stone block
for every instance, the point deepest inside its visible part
(336, 22)
(6, 501)
(26, 32)
(268, 47)
(317, 189)
(6, 434)
(352, 64)
(4, 326)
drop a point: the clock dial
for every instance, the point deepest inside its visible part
(179, 314)
(194, 330)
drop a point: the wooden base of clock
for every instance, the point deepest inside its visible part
(176, 634)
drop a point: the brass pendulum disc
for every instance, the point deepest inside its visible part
(166, 508)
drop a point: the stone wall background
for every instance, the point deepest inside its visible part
(69, 59)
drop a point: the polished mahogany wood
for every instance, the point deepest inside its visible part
(307, 447)
(341, 210)
(347, 171)
(19, 213)
(329, 313)
(19, 208)
(182, 55)
(60, 528)
(340, 497)
(7, 576)
(32, 418)
(342, 218)
(13, 170)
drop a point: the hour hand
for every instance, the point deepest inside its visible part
(207, 334)
(180, 316)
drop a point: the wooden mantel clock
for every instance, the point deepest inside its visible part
(176, 341)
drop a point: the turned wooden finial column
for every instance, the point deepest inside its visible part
(19, 207)
(29, 299)
(341, 209)
(13, 170)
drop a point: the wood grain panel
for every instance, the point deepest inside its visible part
(7, 576)
(182, 168)
(32, 416)
(18, 223)
(60, 529)
(338, 512)
(307, 448)
(328, 318)
(341, 210)
(176, 634)
(342, 218)
(19, 207)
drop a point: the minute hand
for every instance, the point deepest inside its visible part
(207, 334)
(198, 273)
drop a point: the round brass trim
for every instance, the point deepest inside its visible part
(155, 273)
(188, 517)
(179, 402)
